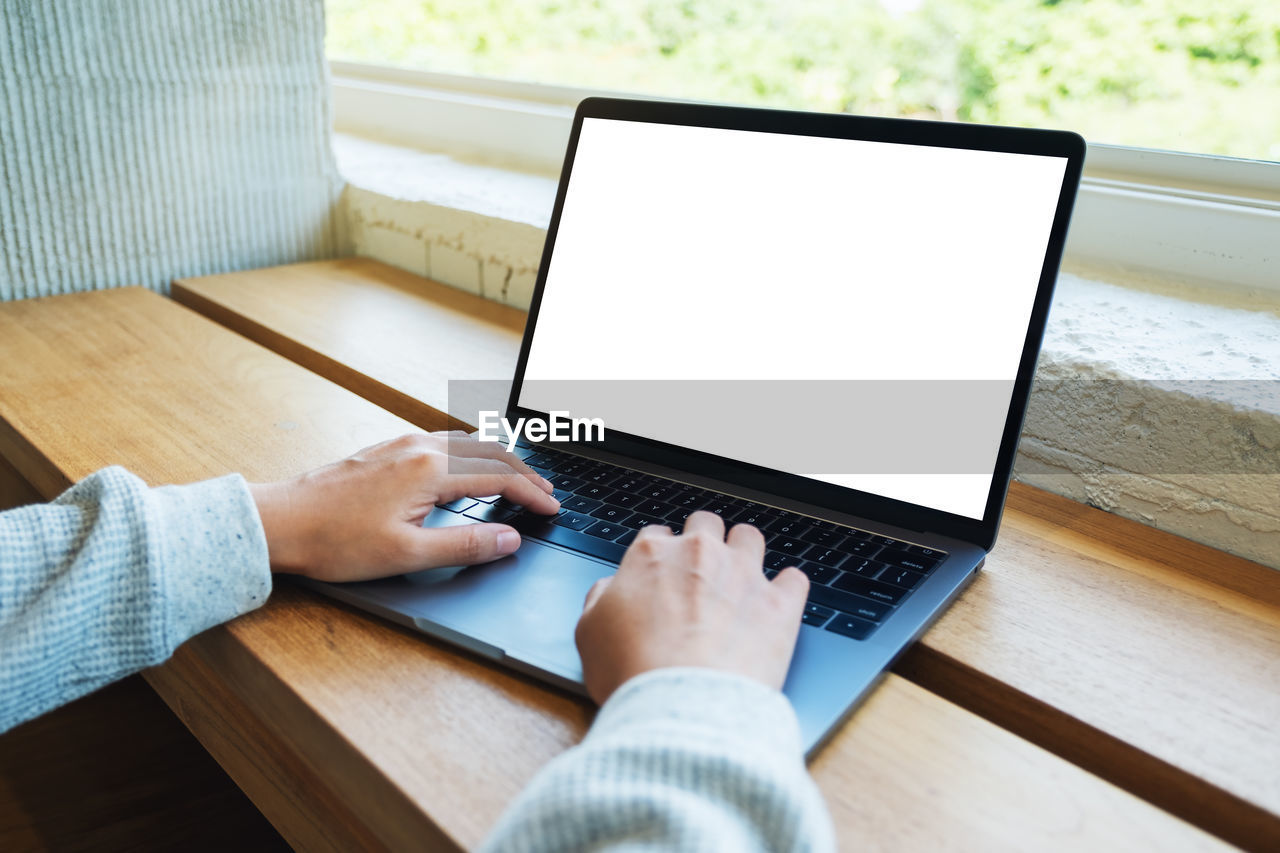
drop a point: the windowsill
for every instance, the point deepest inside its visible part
(1144, 406)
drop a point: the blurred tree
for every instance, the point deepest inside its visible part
(1175, 74)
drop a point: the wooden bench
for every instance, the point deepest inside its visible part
(1150, 660)
(350, 733)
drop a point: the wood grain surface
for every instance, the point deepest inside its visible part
(1151, 660)
(348, 732)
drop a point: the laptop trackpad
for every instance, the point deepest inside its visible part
(526, 605)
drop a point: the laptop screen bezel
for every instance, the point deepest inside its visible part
(1052, 143)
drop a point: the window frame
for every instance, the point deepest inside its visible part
(1189, 217)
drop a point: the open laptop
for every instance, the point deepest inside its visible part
(822, 325)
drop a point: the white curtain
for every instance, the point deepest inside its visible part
(144, 140)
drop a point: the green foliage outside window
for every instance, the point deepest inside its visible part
(1190, 76)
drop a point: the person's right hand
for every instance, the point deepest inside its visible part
(697, 599)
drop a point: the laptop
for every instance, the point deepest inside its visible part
(822, 325)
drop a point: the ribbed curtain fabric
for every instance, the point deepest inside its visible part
(143, 140)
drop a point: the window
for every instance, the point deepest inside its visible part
(1182, 75)
(1198, 78)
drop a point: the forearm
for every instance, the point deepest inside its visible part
(112, 576)
(677, 759)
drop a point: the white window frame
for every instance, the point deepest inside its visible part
(1215, 220)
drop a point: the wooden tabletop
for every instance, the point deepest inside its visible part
(348, 732)
(1148, 659)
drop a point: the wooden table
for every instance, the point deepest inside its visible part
(350, 733)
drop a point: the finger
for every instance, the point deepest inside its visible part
(470, 447)
(465, 545)
(705, 522)
(748, 540)
(479, 477)
(593, 594)
(793, 586)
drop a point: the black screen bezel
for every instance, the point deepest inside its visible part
(1054, 143)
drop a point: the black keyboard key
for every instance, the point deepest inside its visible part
(888, 541)
(652, 507)
(541, 527)
(755, 516)
(904, 578)
(818, 536)
(816, 621)
(931, 553)
(789, 526)
(818, 609)
(774, 560)
(572, 468)
(846, 602)
(623, 499)
(678, 516)
(615, 514)
(691, 499)
(638, 521)
(574, 520)
(864, 567)
(628, 537)
(907, 560)
(606, 530)
(818, 573)
(770, 574)
(561, 495)
(871, 589)
(568, 484)
(459, 505)
(850, 533)
(826, 556)
(791, 547)
(851, 626)
(601, 476)
(594, 490)
(540, 460)
(578, 503)
(659, 492)
(858, 547)
(722, 508)
(628, 483)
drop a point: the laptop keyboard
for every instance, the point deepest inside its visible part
(856, 578)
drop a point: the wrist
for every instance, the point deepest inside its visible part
(286, 541)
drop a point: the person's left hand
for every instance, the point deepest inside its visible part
(362, 517)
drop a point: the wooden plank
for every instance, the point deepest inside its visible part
(350, 733)
(396, 344)
(1084, 628)
(116, 771)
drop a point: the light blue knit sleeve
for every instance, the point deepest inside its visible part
(678, 759)
(112, 576)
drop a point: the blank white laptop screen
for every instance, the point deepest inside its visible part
(768, 262)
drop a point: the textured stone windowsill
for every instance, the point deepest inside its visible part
(1156, 401)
